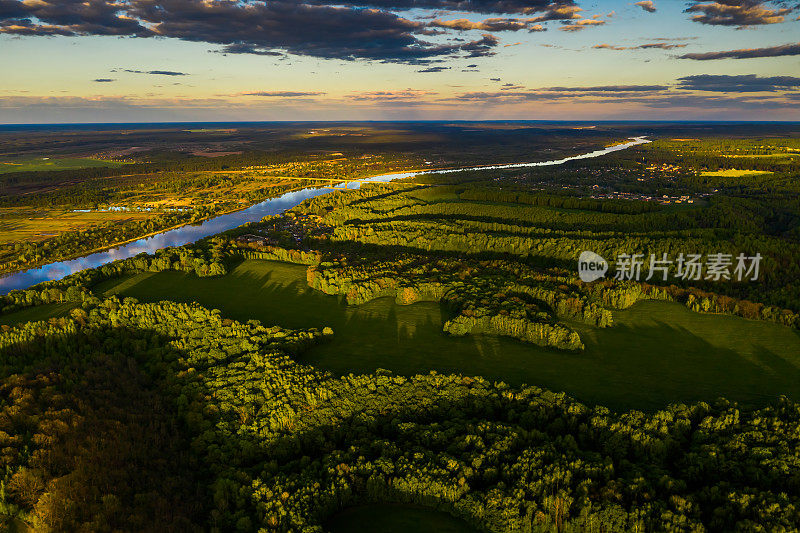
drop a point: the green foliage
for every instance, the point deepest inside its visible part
(280, 446)
(129, 416)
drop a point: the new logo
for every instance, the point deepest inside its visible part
(591, 266)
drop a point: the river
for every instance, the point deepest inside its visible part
(191, 233)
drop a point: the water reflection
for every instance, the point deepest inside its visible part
(192, 233)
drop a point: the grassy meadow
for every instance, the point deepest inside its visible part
(43, 163)
(41, 312)
(734, 173)
(657, 353)
(19, 224)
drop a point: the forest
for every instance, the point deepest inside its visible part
(218, 428)
(124, 415)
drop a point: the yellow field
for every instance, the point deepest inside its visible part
(27, 225)
(735, 173)
(777, 154)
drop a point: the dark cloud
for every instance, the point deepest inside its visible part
(283, 94)
(11, 9)
(747, 83)
(349, 30)
(104, 80)
(741, 13)
(153, 72)
(242, 48)
(482, 47)
(552, 9)
(434, 69)
(68, 17)
(747, 53)
(660, 46)
(647, 5)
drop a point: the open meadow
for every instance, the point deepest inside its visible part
(40, 164)
(657, 353)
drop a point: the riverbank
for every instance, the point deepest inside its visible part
(107, 247)
(186, 233)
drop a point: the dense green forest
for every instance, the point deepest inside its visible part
(128, 416)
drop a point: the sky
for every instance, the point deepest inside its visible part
(69, 61)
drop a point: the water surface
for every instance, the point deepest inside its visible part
(191, 233)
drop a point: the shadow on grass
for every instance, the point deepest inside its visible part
(656, 354)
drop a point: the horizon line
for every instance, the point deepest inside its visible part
(432, 121)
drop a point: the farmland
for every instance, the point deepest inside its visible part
(47, 164)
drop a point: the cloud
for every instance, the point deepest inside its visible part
(348, 30)
(482, 47)
(563, 11)
(606, 46)
(104, 80)
(747, 53)
(656, 99)
(647, 5)
(600, 92)
(577, 25)
(747, 83)
(491, 24)
(660, 46)
(68, 17)
(402, 96)
(434, 69)
(244, 48)
(552, 9)
(646, 46)
(609, 88)
(282, 94)
(152, 72)
(575, 103)
(741, 13)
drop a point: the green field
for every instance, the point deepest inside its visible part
(735, 173)
(394, 519)
(657, 353)
(42, 163)
(31, 314)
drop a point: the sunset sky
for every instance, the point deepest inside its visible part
(207, 60)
